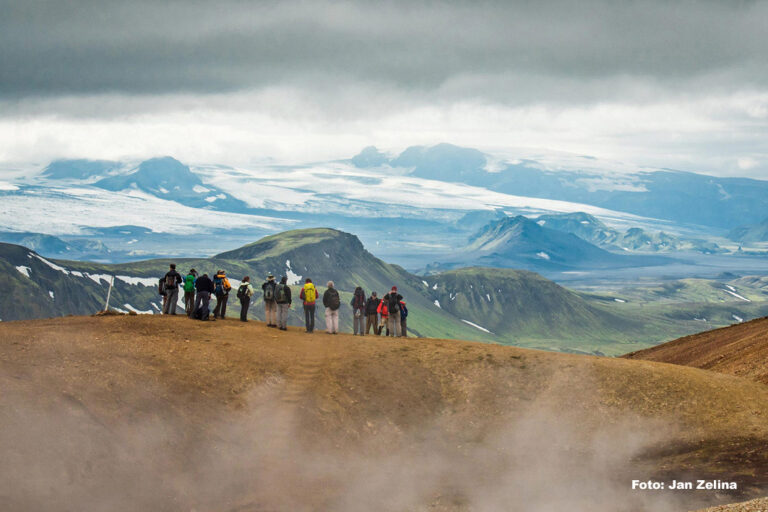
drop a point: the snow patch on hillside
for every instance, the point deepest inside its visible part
(52, 265)
(135, 281)
(24, 270)
(97, 278)
(476, 326)
(293, 277)
(737, 296)
(437, 303)
(737, 318)
(51, 294)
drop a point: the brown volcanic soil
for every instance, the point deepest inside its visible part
(165, 413)
(740, 349)
(758, 505)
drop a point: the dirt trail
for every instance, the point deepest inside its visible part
(171, 414)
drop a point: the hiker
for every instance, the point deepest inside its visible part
(204, 288)
(161, 292)
(403, 319)
(189, 292)
(309, 295)
(371, 314)
(332, 302)
(283, 300)
(393, 307)
(358, 311)
(221, 288)
(244, 293)
(270, 306)
(171, 283)
(383, 312)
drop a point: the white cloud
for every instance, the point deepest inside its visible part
(709, 134)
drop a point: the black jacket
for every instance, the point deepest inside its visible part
(331, 298)
(204, 284)
(372, 305)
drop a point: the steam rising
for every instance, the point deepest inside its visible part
(271, 455)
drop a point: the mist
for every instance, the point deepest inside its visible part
(269, 454)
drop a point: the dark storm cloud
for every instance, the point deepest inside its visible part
(509, 51)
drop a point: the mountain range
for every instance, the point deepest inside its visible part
(480, 303)
(661, 193)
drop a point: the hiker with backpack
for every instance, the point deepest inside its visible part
(221, 288)
(392, 300)
(283, 300)
(204, 288)
(171, 283)
(403, 318)
(161, 292)
(244, 293)
(270, 305)
(189, 292)
(358, 311)
(309, 295)
(332, 303)
(371, 313)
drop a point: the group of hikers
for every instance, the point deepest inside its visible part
(380, 315)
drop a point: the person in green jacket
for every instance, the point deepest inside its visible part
(189, 292)
(244, 293)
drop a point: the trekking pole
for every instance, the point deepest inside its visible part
(109, 292)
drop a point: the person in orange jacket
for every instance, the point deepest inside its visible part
(221, 288)
(383, 312)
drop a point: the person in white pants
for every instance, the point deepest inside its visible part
(332, 302)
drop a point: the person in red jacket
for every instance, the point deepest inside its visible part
(383, 317)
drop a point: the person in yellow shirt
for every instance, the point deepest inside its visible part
(309, 296)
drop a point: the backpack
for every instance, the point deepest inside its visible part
(359, 300)
(161, 287)
(309, 294)
(170, 281)
(280, 294)
(189, 283)
(218, 283)
(269, 292)
(333, 299)
(201, 313)
(393, 304)
(241, 292)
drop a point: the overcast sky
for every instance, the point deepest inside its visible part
(678, 84)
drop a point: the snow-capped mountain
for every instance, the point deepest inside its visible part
(413, 208)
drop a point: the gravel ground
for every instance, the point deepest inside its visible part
(758, 505)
